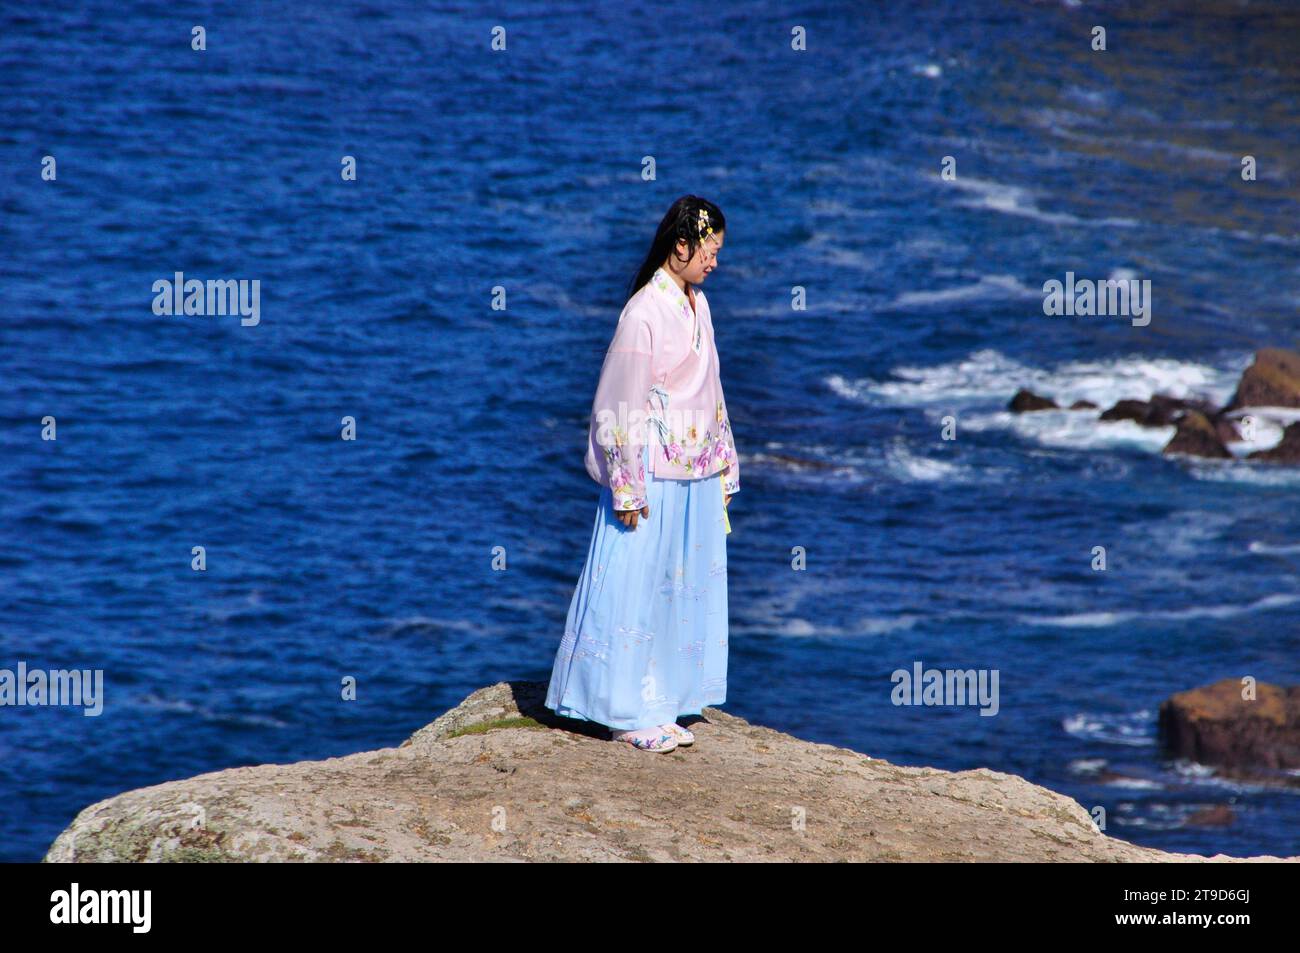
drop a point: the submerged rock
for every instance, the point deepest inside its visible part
(1219, 815)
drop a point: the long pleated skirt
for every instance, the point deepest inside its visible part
(645, 641)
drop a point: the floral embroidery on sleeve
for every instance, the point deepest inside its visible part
(629, 493)
(731, 475)
(707, 456)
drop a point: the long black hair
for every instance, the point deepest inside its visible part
(681, 223)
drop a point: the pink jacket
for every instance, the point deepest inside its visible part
(660, 386)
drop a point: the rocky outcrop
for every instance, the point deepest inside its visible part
(1273, 380)
(1204, 430)
(1255, 738)
(1160, 411)
(500, 778)
(1025, 400)
(1197, 436)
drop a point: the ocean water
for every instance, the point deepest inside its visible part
(521, 169)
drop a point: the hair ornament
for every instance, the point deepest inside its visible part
(705, 229)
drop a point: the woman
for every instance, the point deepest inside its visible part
(645, 641)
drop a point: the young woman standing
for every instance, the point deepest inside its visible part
(645, 641)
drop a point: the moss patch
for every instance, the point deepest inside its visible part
(520, 721)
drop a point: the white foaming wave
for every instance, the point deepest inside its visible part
(1087, 765)
(1146, 823)
(833, 464)
(803, 628)
(779, 613)
(1217, 157)
(1283, 415)
(1266, 433)
(1132, 728)
(1071, 429)
(1208, 776)
(913, 468)
(1272, 549)
(1190, 534)
(1096, 98)
(1016, 200)
(1103, 619)
(988, 287)
(989, 376)
(417, 623)
(778, 620)
(1156, 816)
(206, 712)
(1060, 122)
(1138, 784)
(1249, 236)
(929, 247)
(982, 375)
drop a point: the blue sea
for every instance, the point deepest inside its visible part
(522, 169)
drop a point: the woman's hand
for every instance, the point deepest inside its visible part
(629, 517)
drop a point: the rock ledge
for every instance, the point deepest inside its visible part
(500, 778)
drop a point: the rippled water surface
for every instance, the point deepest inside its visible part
(372, 558)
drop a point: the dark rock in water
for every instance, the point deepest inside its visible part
(1272, 381)
(1197, 436)
(1220, 815)
(1226, 428)
(1160, 411)
(1108, 776)
(1083, 405)
(1135, 410)
(1214, 725)
(1027, 400)
(1166, 410)
(1287, 449)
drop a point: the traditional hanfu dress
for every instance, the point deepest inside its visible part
(645, 641)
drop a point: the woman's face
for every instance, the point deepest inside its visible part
(705, 260)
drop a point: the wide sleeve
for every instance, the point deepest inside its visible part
(731, 473)
(618, 430)
(731, 476)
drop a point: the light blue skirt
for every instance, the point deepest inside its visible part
(646, 637)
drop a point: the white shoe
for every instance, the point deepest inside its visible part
(683, 736)
(654, 738)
